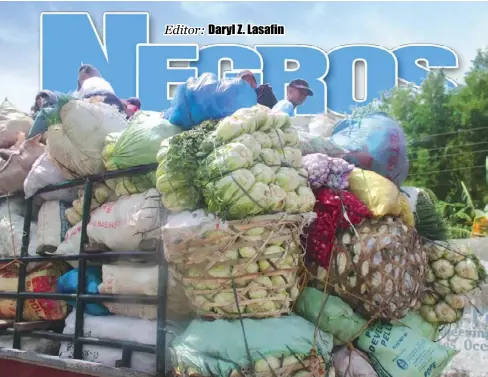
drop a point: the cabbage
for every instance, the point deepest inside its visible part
(223, 160)
(262, 139)
(271, 158)
(277, 139)
(250, 142)
(230, 127)
(163, 150)
(278, 197)
(245, 206)
(183, 199)
(222, 192)
(292, 202)
(170, 181)
(263, 173)
(291, 137)
(292, 157)
(287, 179)
(280, 119)
(306, 198)
(247, 115)
(302, 176)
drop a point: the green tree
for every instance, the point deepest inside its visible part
(426, 116)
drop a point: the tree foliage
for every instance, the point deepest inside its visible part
(447, 132)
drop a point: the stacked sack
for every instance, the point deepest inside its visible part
(239, 199)
(126, 215)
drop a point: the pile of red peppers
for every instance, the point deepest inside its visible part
(330, 207)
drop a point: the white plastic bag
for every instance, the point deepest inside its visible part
(120, 225)
(43, 173)
(52, 226)
(117, 328)
(76, 145)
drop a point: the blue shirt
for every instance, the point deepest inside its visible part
(285, 106)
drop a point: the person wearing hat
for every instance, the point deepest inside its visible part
(264, 92)
(296, 94)
(132, 106)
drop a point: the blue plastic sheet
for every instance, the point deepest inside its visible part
(203, 98)
(374, 142)
(68, 283)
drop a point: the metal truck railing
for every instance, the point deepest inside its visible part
(81, 297)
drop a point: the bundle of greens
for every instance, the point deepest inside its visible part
(253, 166)
(178, 160)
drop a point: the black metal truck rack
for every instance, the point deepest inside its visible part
(21, 328)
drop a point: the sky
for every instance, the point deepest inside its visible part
(461, 26)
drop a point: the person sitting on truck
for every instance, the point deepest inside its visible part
(296, 93)
(92, 84)
(45, 98)
(264, 92)
(132, 106)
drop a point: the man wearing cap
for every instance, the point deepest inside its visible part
(265, 93)
(296, 93)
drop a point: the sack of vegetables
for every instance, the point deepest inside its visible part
(250, 266)
(247, 165)
(273, 347)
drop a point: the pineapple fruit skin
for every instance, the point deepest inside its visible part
(381, 272)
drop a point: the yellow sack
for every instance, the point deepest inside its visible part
(380, 195)
(406, 215)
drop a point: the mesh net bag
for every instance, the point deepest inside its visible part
(378, 269)
(250, 266)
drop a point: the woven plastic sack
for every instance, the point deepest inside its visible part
(206, 97)
(120, 225)
(42, 279)
(44, 173)
(11, 232)
(17, 164)
(118, 328)
(374, 142)
(276, 347)
(142, 280)
(336, 317)
(12, 123)
(401, 352)
(75, 145)
(52, 226)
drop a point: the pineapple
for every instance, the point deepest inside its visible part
(378, 269)
(452, 272)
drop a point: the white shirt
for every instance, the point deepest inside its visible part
(94, 84)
